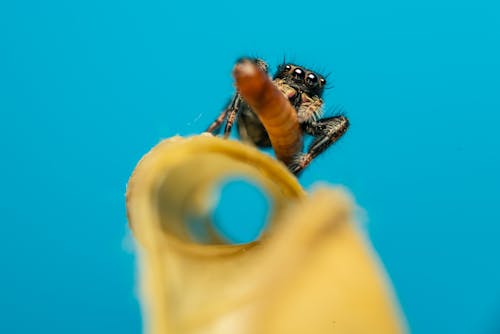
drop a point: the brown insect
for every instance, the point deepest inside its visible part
(278, 112)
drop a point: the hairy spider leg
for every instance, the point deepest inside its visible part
(232, 114)
(327, 131)
(215, 126)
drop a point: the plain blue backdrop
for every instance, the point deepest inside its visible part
(87, 87)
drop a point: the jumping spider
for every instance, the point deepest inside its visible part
(304, 89)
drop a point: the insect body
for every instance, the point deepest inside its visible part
(303, 90)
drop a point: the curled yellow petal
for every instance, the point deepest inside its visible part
(312, 271)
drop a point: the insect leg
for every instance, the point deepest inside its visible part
(327, 131)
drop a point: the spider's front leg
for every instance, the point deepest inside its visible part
(232, 114)
(326, 132)
(215, 126)
(229, 114)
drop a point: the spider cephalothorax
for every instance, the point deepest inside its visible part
(303, 88)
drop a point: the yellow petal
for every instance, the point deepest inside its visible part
(312, 271)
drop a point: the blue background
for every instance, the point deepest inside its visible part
(87, 87)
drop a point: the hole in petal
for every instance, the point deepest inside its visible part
(242, 211)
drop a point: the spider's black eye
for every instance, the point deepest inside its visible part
(312, 79)
(299, 73)
(288, 67)
(323, 81)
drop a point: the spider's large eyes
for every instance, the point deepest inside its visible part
(298, 73)
(312, 79)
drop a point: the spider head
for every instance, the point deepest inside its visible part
(302, 79)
